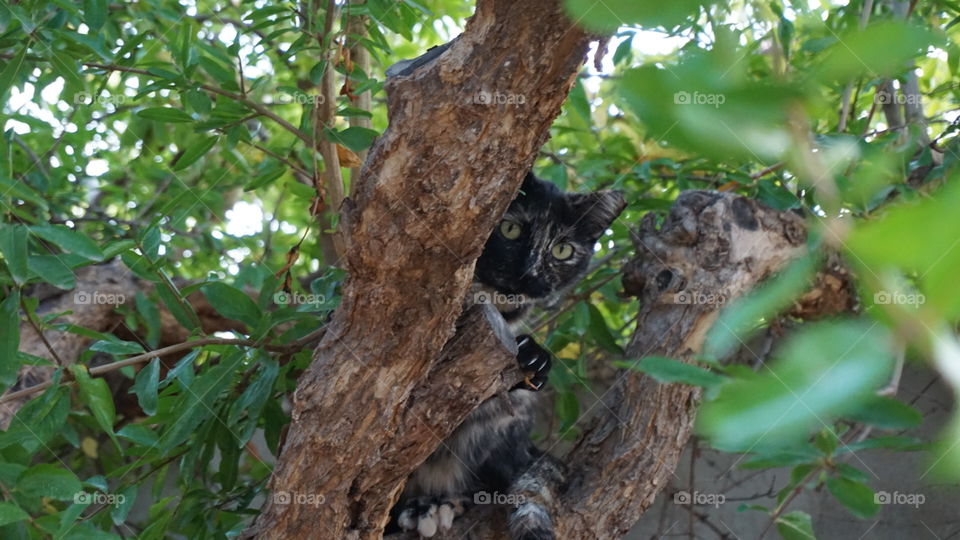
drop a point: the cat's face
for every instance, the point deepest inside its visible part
(545, 240)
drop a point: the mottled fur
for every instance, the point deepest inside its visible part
(491, 452)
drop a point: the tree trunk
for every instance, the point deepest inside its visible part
(379, 396)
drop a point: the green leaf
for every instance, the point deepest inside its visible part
(69, 240)
(96, 395)
(165, 114)
(887, 413)
(139, 434)
(253, 399)
(53, 269)
(145, 387)
(607, 17)
(9, 338)
(856, 497)
(795, 525)
(354, 138)
(668, 370)
(269, 170)
(196, 403)
(11, 513)
(600, 332)
(95, 14)
(47, 480)
(881, 49)
(822, 372)
(117, 347)
(893, 242)
(13, 247)
(11, 72)
(742, 319)
(195, 152)
(120, 510)
(232, 303)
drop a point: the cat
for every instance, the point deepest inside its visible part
(541, 248)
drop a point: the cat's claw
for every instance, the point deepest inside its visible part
(534, 362)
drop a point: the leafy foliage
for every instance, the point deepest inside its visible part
(178, 138)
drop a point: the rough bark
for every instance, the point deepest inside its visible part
(712, 245)
(427, 197)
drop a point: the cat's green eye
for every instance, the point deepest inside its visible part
(562, 251)
(510, 229)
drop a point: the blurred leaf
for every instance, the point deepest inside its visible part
(668, 370)
(822, 372)
(739, 321)
(887, 413)
(165, 114)
(11, 513)
(881, 49)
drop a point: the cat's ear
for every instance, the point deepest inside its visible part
(598, 209)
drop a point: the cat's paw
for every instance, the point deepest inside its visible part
(534, 362)
(429, 515)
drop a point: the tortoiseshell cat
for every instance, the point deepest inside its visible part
(540, 248)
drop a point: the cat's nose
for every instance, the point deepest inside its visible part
(535, 286)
